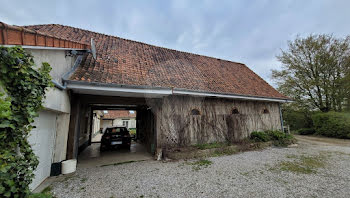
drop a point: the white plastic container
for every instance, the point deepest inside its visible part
(69, 166)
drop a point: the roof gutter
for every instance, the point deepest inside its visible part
(229, 96)
(98, 88)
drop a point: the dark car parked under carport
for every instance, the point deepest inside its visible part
(114, 137)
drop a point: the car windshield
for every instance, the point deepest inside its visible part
(121, 130)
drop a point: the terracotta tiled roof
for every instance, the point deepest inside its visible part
(125, 62)
(113, 114)
(14, 35)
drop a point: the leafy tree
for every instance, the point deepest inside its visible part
(316, 72)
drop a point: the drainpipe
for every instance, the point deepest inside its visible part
(281, 117)
(77, 62)
(65, 76)
(58, 85)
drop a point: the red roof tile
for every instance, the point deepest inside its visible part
(113, 114)
(14, 35)
(125, 62)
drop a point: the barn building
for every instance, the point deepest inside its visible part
(180, 98)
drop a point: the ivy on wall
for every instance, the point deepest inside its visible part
(22, 90)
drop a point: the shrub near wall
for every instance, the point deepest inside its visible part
(332, 124)
(278, 138)
(259, 136)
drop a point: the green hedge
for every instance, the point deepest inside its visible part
(297, 119)
(306, 131)
(278, 138)
(332, 124)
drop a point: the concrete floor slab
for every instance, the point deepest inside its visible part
(93, 157)
(97, 137)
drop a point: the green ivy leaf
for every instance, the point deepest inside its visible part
(2, 189)
(22, 89)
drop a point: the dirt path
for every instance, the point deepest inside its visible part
(314, 140)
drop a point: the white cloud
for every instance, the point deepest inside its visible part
(251, 32)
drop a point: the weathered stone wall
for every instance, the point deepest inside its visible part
(176, 126)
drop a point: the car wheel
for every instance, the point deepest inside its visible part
(102, 148)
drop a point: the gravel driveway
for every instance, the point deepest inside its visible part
(267, 173)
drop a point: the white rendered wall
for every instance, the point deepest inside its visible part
(106, 123)
(56, 100)
(59, 60)
(42, 139)
(96, 122)
(119, 122)
(49, 139)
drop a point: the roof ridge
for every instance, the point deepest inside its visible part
(140, 42)
(24, 40)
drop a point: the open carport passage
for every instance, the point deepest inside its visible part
(102, 153)
(93, 117)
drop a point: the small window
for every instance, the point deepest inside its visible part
(235, 111)
(195, 112)
(266, 111)
(126, 123)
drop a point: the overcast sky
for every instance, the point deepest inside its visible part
(251, 32)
